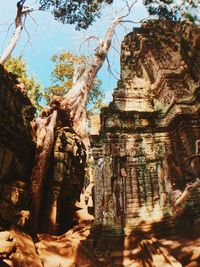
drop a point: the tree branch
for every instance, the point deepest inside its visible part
(44, 134)
(88, 39)
(77, 97)
(109, 68)
(21, 12)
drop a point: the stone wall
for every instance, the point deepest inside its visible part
(64, 183)
(16, 148)
(148, 149)
(64, 178)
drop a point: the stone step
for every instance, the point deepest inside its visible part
(132, 200)
(131, 214)
(130, 210)
(131, 206)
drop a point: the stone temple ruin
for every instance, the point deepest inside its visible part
(146, 163)
(148, 148)
(20, 197)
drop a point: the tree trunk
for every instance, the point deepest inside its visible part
(72, 108)
(44, 140)
(11, 45)
(16, 35)
(77, 97)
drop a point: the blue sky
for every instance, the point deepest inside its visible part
(43, 37)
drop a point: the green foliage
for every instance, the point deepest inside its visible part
(82, 13)
(68, 68)
(79, 12)
(33, 88)
(173, 9)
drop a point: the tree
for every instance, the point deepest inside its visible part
(72, 105)
(70, 109)
(18, 66)
(21, 13)
(76, 12)
(68, 68)
(81, 13)
(173, 10)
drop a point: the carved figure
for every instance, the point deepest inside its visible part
(119, 174)
(195, 161)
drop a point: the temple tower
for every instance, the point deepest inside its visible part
(149, 132)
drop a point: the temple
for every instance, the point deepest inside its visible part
(147, 152)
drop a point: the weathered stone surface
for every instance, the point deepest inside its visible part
(16, 148)
(65, 182)
(151, 130)
(14, 195)
(64, 178)
(94, 124)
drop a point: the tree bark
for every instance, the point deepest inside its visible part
(44, 140)
(78, 95)
(16, 35)
(73, 106)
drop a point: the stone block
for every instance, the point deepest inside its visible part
(154, 119)
(14, 195)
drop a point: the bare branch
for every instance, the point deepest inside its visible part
(33, 19)
(114, 48)
(129, 9)
(6, 35)
(110, 69)
(77, 97)
(88, 39)
(28, 41)
(127, 6)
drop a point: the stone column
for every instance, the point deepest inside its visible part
(99, 185)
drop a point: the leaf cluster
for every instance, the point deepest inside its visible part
(18, 66)
(67, 70)
(174, 10)
(81, 13)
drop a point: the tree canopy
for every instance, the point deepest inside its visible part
(67, 70)
(173, 10)
(81, 13)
